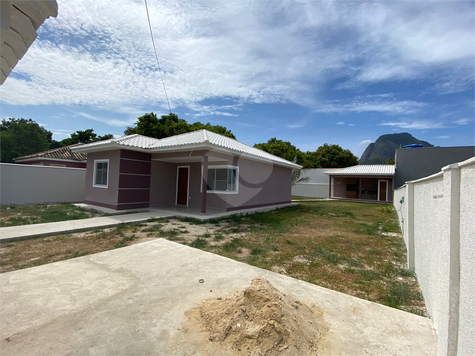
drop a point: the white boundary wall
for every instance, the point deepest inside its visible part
(437, 216)
(27, 184)
(315, 187)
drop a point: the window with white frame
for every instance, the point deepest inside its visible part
(223, 179)
(101, 173)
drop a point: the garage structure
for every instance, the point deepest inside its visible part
(362, 183)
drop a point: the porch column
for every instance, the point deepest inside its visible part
(204, 185)
(360, 183)
(330, 178)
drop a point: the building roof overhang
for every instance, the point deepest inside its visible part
(20, 19)
(375, 170)
(182, 143)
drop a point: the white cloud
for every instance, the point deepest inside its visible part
(61, 132)
(209, 110)
(463, 121)
(414, 125)
(365, 143)
(295, 126)
(99, 53)
(110, 122)
(340, 123)
(390, 107)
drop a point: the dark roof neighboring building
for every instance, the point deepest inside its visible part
(416, 163)
(57, 156)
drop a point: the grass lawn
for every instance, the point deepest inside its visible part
(15, 215)
(338, 245)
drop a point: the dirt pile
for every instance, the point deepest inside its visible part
(262, 321)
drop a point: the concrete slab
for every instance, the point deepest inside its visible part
(22, 232)
(131, 301)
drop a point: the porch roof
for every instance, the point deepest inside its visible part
(364, 170)
(191, 140)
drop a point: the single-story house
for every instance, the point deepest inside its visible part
(201, 169)
(58, 157)
(362, 183)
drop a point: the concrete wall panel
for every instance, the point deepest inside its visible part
(432, 246)
(26, 184)
(466, 339)
(316, 185)
(311, 190)
(437, 219)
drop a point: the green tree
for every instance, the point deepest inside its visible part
(390, 161)
(282, 149)
(333, 156)
(20, 137)
(81, 136)
(213, 128)
(171, 125)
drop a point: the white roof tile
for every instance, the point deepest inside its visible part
(364, 170)
(200, 137)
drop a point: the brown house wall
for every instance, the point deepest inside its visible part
(106, 197)
(260, 184)
(134, 180)
(213, 200)
(162, 183)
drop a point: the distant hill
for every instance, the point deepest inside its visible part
(385, 147)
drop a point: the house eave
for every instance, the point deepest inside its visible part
(48, 159)
(113, 146)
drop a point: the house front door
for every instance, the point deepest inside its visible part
(182, 186)
(383, 190)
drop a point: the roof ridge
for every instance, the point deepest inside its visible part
(51, 150)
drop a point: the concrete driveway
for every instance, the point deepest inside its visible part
(132, 300)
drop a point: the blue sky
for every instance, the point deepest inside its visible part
(308, 72)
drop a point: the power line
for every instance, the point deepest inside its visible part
(156, 57)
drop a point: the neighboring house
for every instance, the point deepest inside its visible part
(415, 163)
(58, 157)
(138, 172)
(363, 183)
(19, 21)
(313, 183)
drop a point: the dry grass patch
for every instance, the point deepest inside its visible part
(336, 245)
(15, 215)
(350, 247)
